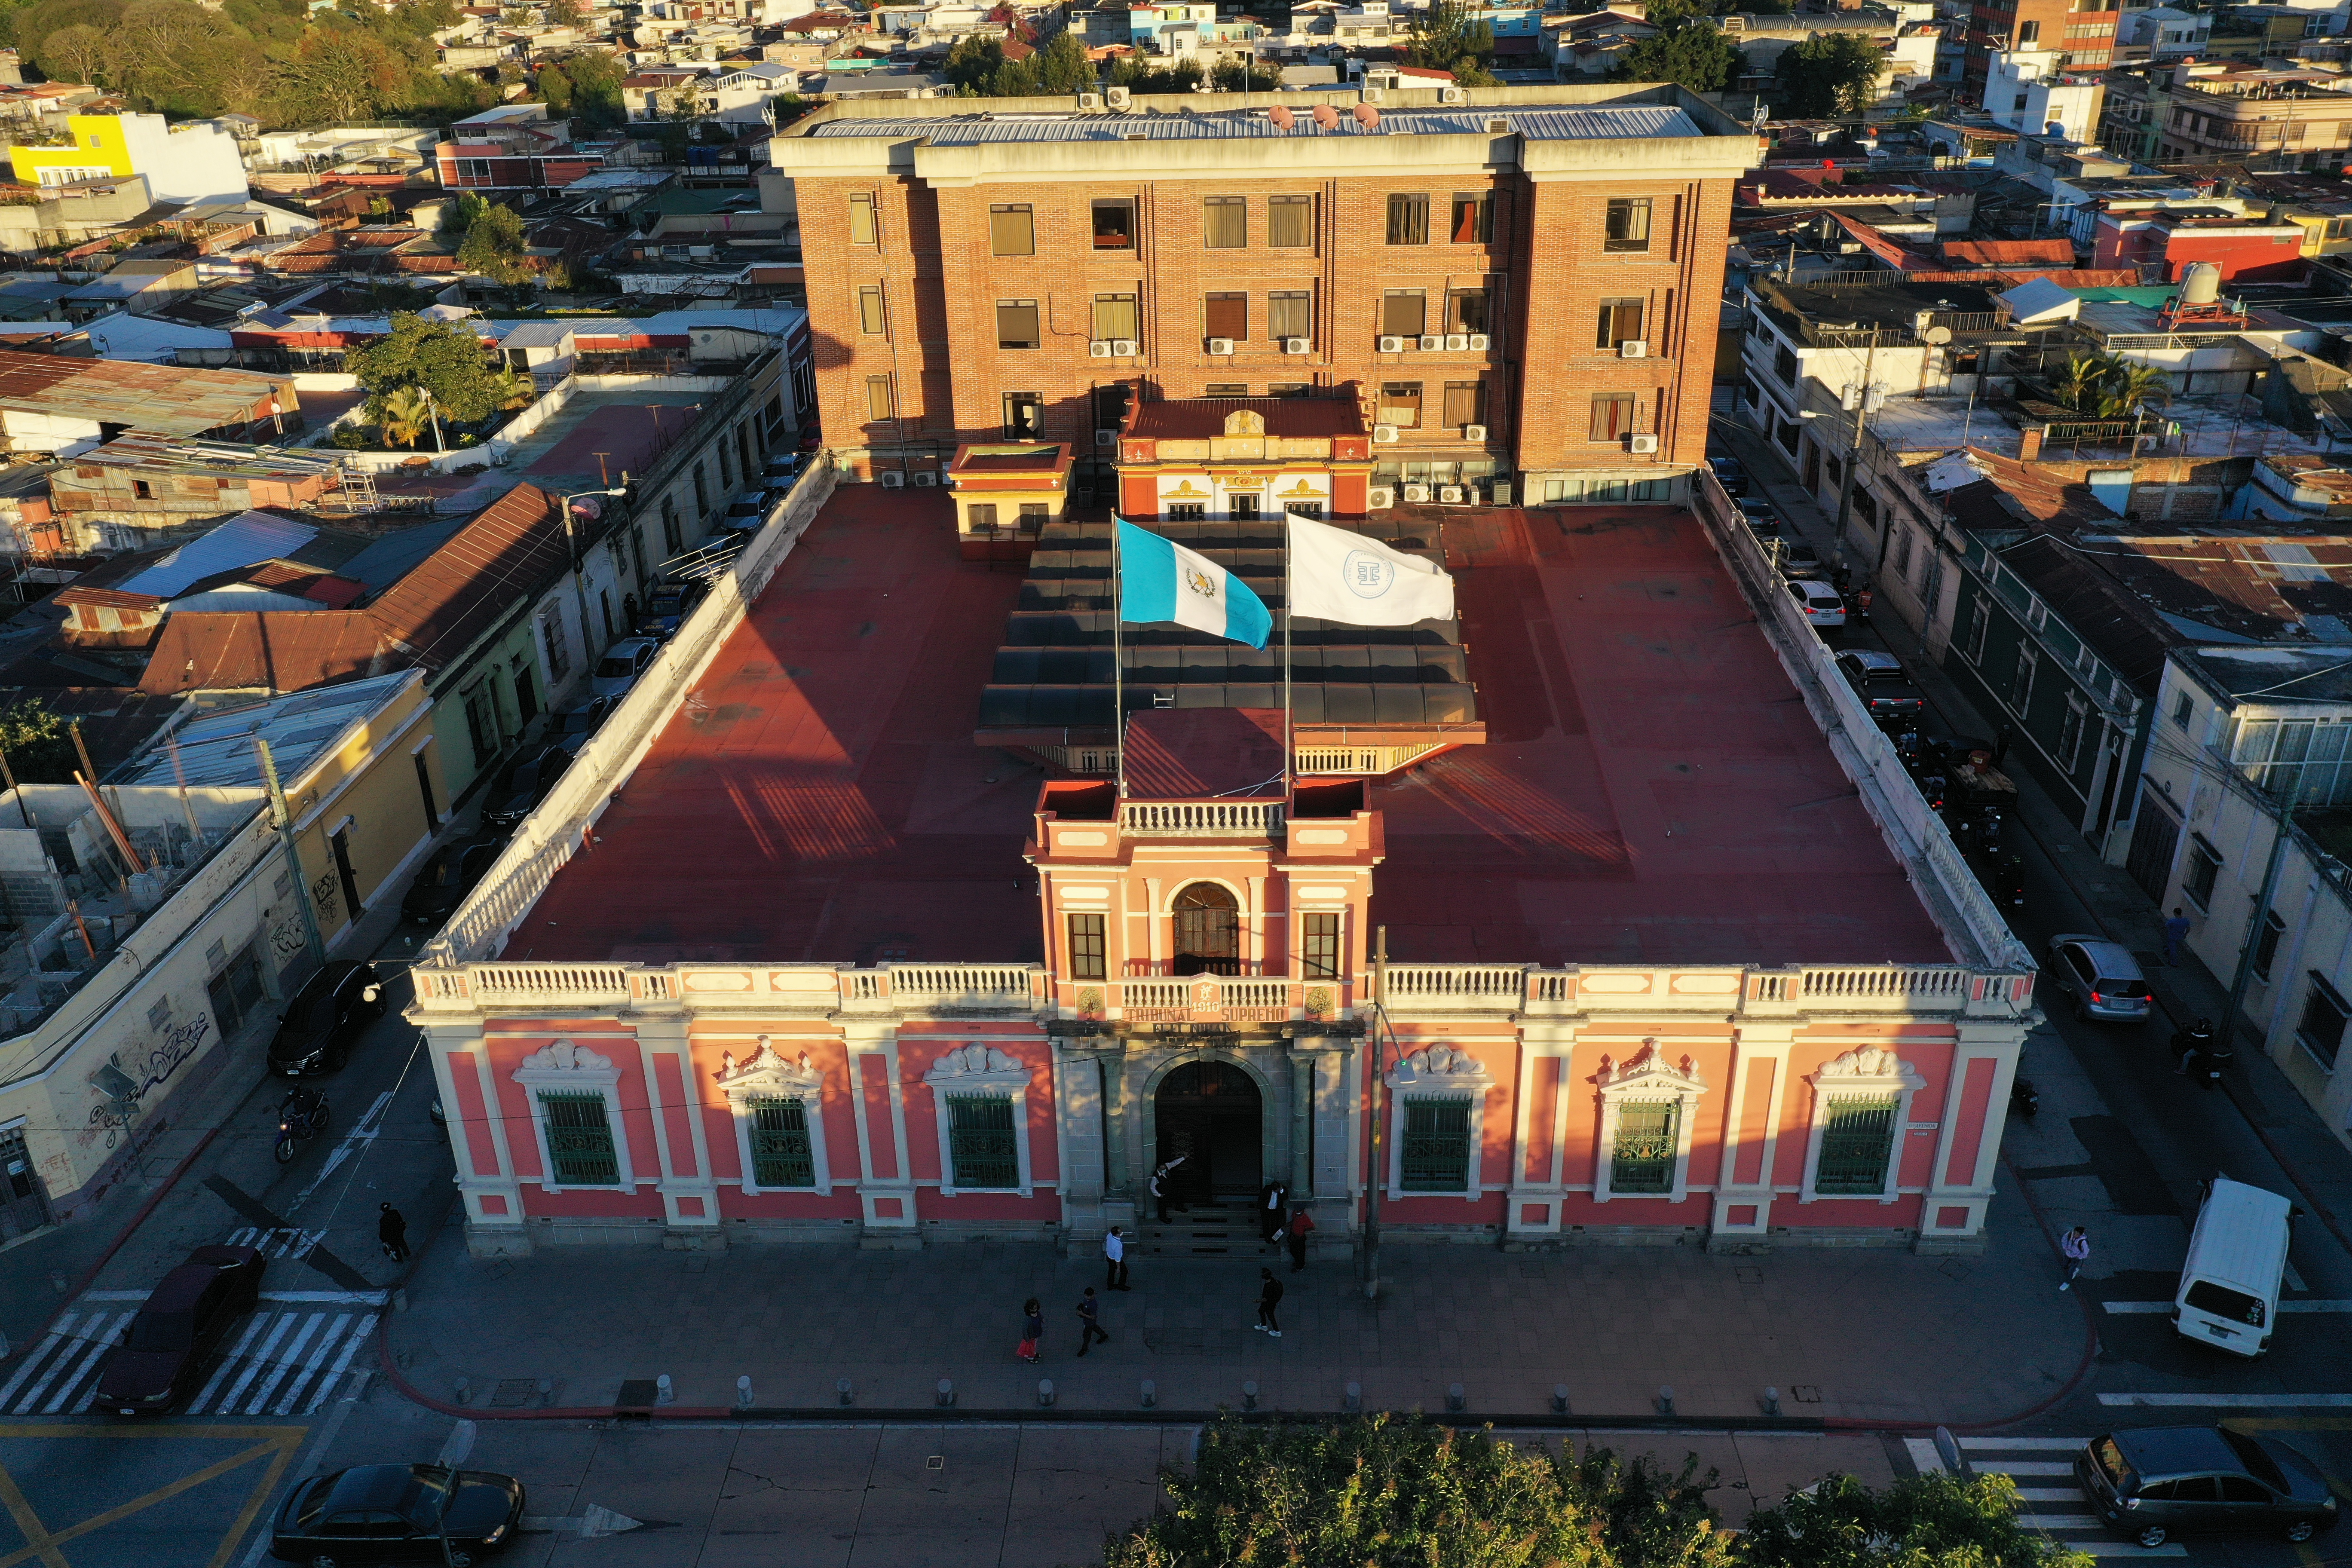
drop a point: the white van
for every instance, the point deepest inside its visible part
(2237, 1255)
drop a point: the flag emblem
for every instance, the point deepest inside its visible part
(1198, 581)
(1368, 576)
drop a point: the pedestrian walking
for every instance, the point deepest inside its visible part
(2000, 745)
(1269, 1297)
(1272, 1200)
(2176, 931)
(1090, 1327)
(1033, 1330)
(1115, 1253)
(2076, 1246)
(1301, 1222)
(392, 1230)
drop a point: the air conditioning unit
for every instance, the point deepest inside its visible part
(1474, 432)
(1456, 342)
(1392, 345)
(1374, 94)
(1451, 494)
(1384, 435)
(1220, 345)
(1379, 498)
(1125, 347)
(925, 480)
(1098, 349)
(1642, 445)
(1498, 493)
(1633, 348)
(1453, 95)
(1432, 341)
(1090, 100)
(1417, 494)
(1119, 98)
(1478, 342)
(892, 480)
(1105, 438)
(1294, 345)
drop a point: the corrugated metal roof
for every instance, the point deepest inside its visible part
(242, 540)
(1616, 122)
(218, 749)
(169, 399)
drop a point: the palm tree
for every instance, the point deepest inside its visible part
(2085, 384)
(2129, 386)
(407, 415)
(513, 389)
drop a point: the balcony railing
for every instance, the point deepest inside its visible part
(1201, 819)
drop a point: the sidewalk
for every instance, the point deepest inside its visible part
(1846, 1334)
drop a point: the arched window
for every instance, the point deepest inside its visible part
(1208, 931)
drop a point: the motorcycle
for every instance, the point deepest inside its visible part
(2204, 1054)
(302, 1116)
(2024, 1100)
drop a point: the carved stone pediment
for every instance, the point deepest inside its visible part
(767, 1071)
(1648, 1068)
(558, 1061)
(977, 1069)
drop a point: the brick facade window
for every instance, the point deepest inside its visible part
(881, 402)
(1628, 227)
(1291, 389)
(1224, 223)
(1225, 389)
(1290, 222)
(1465, 402)
(1466, 310)
(1474, 217)
(1408, 218)
(1114, 223)
(1403, 312)
(1400, 404)
(869, 310)
(1011, 229)
(1613, 416)
(862, 230)
(1016, 324)
(1116, 316)
(1024, 416)
(1621, 323)
(1225, 316)
(1290, 313)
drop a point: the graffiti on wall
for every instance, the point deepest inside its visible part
(327, 893)
(119, 1085)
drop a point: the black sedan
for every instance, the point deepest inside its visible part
(1878, 680)
(1730, 475)
(2154, 1482)
(397, 1513)
(325, 1017)
(527, 786)
(448, 876)
(182, 1321)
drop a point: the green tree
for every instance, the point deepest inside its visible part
(1243, 75)
(1063, 65)
(1694, 54)
(407, 416)
(76, 53)
(1387, 1490)
(1827, 74)
(1452, 36)
(1140, 76)
(974, 61)
(1928, 1521)
(493, 247)
(36, 22)
(446, 359)
(336, 75)
(38, 742)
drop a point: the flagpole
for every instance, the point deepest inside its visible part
(1289, 743)
(1118, 668)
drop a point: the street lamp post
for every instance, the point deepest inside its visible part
(571, 549)
(1381, 1105)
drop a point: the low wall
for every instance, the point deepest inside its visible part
(490, 454)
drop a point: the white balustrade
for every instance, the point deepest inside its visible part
(960, 984)
(1201, 819)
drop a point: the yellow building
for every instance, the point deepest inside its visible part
(180, 164)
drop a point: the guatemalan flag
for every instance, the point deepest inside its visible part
(1160, 580)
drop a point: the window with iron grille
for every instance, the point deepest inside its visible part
(2321, 1032)
(782, 1155)
(2266, 946)
(1643, 1158)
(1011, 229)
(1320, 947)
(1290, 222)
(1436, 1148)
(1224, 223)
(1409, 218)
(981, 1151)
(580, 1141)
(2204, 867)
(1086, 951)
(1857, 1140)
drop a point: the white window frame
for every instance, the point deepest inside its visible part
(570, 1068)
(1440, 1072)
(1644, 1077)
(765, 1075)
(980, 1070)
(1864, 1071)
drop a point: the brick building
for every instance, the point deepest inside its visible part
(2083, 35)
(1517, 287)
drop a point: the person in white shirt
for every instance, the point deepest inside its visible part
(1115, 1252)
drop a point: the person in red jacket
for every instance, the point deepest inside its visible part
(1301, 1222)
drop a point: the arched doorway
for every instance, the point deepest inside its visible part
(1210, 1112)
(1208, 931)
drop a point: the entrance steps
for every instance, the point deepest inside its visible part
(1207, 1230)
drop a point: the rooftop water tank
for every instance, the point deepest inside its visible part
(2201, 284)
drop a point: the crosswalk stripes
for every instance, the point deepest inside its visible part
(280, 1362)
(2033, 1463)
(285, 1242)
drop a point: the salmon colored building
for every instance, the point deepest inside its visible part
(1674, 956)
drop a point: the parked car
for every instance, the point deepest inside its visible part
(571, 728)
(622, 664)
(1878, 680)
(448, 876)
(670, 604)
(2152, 1483)
(1798, 559)
(526, 787)
(397, 1513)
(1761, 520)
(748, 510)
(1729, 475)
(2102, 976)
(182, 1321)
(780, 470)
(1820, 602)
(316, 1033)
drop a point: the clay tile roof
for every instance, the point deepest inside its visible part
(1198, 418)
(2055, 249)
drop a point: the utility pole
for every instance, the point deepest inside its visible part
(283, 820)
(1854, 451)
(2240, 982)
(1372, 1175)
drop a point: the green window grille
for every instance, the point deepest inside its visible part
(782, 1155)
(981, 1149)
(1644, 1158)
(1436, 1145)
(1857, 1139)
(580, 1141)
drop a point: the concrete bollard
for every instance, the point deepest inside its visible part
(546, 1392)
(1560, 1399)
(1249, 1395)
(841, 1388)
(664, 1394)
(743, 1392)
(1150, 1394)
(1456, 1400)
(1044, 1391)
(1772, 1402)
(465, 1391)
(1667, 1400)
(1355, 1399)
(947, 1391)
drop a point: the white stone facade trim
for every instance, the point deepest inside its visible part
(1864, 1070)
(1644, 1077)
(980, 1070)
(567, 1068)
(1439, 1072)
(766, 1075)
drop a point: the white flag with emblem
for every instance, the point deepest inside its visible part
(1336, 576)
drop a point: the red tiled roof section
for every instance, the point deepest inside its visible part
(1198, 418)
(429, 617)
(2055, 249)
(1194, 753)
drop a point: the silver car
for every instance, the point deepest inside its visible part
(2102, 976)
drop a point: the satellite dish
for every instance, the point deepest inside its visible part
(1327, 116)
(1367, 117)
(1282, 118)
(1939, 336)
